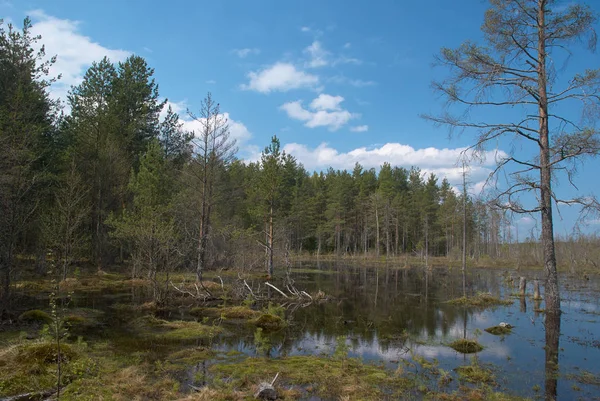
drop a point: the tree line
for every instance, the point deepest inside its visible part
(112, 179)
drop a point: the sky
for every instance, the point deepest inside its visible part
(338, 82)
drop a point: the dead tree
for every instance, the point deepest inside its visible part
(213, 147)
(514, 72)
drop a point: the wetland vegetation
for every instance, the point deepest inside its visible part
(140, 261)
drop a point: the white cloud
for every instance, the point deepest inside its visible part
(318, 57)
(527, 221)
(211, 82)
(358, 83)
(243, 53)
(326, 102)
(177, 107)
(347, 45)
(305, 29)
(441, 162)
(280, 77)
(325, 112)
(75, 52)
(237, 129)
(360, 128)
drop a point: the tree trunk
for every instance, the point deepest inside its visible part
(377, 229)
(270, 246)
(551, 289)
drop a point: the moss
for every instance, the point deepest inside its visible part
(227, 312)
(45, 352)
(82, 319)
(31, 367)
(324, 377)
(35, 316)
(178, 330)
(585, 378)
(476, 394)
(466, 346)
(269, 322)
(499, 330)
(239, 312)
(475, 373)
(481, 300)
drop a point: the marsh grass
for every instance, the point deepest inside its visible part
(466, 346)
(481, 300)
(499, 330)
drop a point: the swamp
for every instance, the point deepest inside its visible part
(314, 236)
(369, 332)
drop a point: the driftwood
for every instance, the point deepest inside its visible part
(276, 289)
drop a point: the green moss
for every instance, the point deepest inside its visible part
(269, 322)
(475, 373)
(32, 367)
(499, 330)
(82, 319)
(481, 300)
(227, 312)
(466, 346)
(178, 330)
(321, 376)
(35, 316)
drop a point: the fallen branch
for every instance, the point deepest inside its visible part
(276, 376)
(276, 289)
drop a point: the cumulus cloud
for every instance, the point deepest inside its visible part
(325, 111)
(237, 129)
(327, 102)
(280, 77)
(243, 53)
(360, 128)
(441, 162)
(75, 52)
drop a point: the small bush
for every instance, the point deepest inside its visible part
(35, 316)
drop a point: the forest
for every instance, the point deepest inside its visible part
(112, 178)
(108, 184)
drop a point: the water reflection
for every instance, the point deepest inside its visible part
(389, 314)
(551, 348)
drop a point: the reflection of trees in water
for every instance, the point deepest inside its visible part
(379, 304)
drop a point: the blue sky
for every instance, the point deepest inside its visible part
(337, 81)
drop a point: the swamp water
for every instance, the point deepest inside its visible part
(398, 318)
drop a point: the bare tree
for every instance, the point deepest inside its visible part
(514, 71)
(213, 147)
(65, 222)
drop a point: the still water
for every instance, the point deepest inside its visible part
(389, 316)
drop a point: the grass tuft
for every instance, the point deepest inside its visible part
(466, 346)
